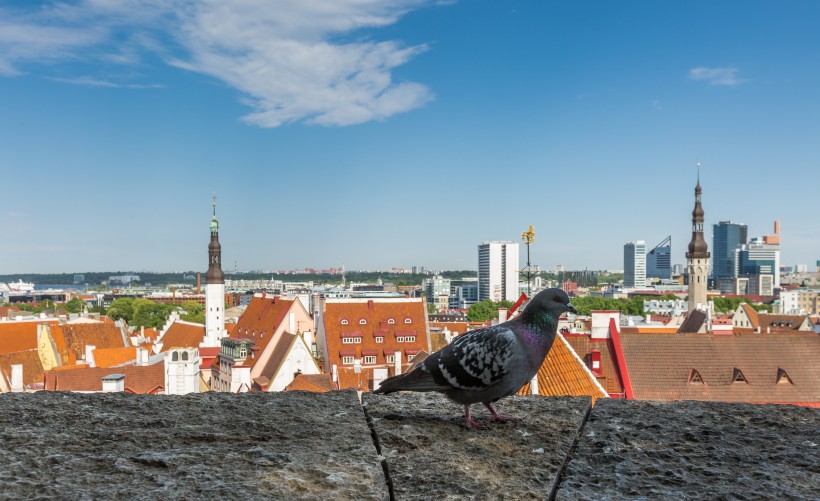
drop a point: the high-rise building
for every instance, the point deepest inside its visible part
(697, 259)
(635, 264)
(214, 289)
(659, 260)
(498, 271)
(435, 287)
(759, 257)
(727, 237)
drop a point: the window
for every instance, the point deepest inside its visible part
(694, 377)
(362, 322)
(347, 360)
(410, 358)
(783, 378)
(184, 355)
(370, 359)
(390, 359)
(400, 339)
(408, 320)
(175, 356)
(391, 321)
(347, 340)
(243, 352)
(379, 339)
(344, 321)
(410, 339)
(738, 377)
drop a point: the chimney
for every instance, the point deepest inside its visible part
(198, 282)
(17, 378)
(502, 315)
(113, 382)
(371, 305)
(777, 227)
(142, 331)
(335, 374)
(397, 363)
(595, 362)
(89, 355)
(142, 357)
(534, 385)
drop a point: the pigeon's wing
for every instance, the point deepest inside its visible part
(415, 380)
(474, 361)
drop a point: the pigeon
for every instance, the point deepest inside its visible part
(488, 364)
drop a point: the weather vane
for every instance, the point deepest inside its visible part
(214, 203)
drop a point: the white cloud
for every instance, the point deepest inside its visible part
(716, 76)
(306, 61)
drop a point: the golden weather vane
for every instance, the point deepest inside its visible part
(528, 236)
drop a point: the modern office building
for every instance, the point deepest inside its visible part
(659, 260)
(727, 237)
(436, 286)
(498, 271)
(463, 293)
(759, 257)
(635, 264)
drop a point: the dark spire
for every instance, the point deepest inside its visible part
(697, 247)
(214, 275)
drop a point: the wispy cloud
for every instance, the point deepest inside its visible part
(717, 76)
(311, 61)
(656, 105)
(94, 82)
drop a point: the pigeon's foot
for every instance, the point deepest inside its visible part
(498, 417)
(469, 422)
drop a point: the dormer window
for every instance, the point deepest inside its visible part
(695, 378)
(391, 321)
(783, 378)
(362, 321)
(344, 321)
(738, 377)
(379, 339)
(408, 320)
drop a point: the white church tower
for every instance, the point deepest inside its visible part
(697, 259)
(214, 290)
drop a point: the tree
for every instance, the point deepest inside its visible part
(150, 314)
(486, 310)
(75, 305)
(191, 311)
(122, 308)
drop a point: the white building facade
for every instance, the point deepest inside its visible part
(635, 264)
(498, 271)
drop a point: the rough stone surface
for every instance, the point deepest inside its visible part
(216, 445)
(695, 450)
(431, 455)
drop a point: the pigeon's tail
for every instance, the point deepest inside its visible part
(415, 380)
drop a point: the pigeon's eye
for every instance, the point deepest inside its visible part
(556, 299)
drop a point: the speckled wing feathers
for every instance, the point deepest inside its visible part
(474, 362)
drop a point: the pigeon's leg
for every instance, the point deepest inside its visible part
(496, 416)
(468, 421)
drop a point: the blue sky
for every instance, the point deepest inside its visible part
(391, 134)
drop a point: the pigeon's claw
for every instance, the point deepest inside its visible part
(498, 417)
(468, 421)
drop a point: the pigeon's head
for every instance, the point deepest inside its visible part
(554, 301)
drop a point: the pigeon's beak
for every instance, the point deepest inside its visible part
(571, 308)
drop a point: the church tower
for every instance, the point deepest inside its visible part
(214, 289)
(697, 259)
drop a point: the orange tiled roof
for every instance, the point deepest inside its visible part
(18, 336)
(111, 357)
(317, 383)
(260, 320)
(564, 374)
(138, 379)
(649, 329)
(454, 327)
(660, 367)
(752, 314)
(29, 359)
(388, 319)
(183, 334)
(71, 340)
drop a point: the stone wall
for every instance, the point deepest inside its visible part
(298, 445)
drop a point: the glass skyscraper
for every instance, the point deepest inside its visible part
(727, 237)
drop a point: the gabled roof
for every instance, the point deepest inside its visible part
(71, 340)
(783, 322)
(111, 357)
(317, 383)
(32, 366)
(280, 353)
(138, 379)
(18, 336)
(751, 313)
(660, 366)
(583, 346)
(564, 373)
(695, 322)
(260, 321)
(183, 334)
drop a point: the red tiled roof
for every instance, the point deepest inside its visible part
(260, 321)
(317, 383)
(183, 335)
(377, 314)
(583, 346)
(280, 352)
(752, 314)
(138, 379)
(660, 366)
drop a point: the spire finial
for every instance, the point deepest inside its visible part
(214, 203)
(698, 170)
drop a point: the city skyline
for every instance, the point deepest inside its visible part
(332, 131)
